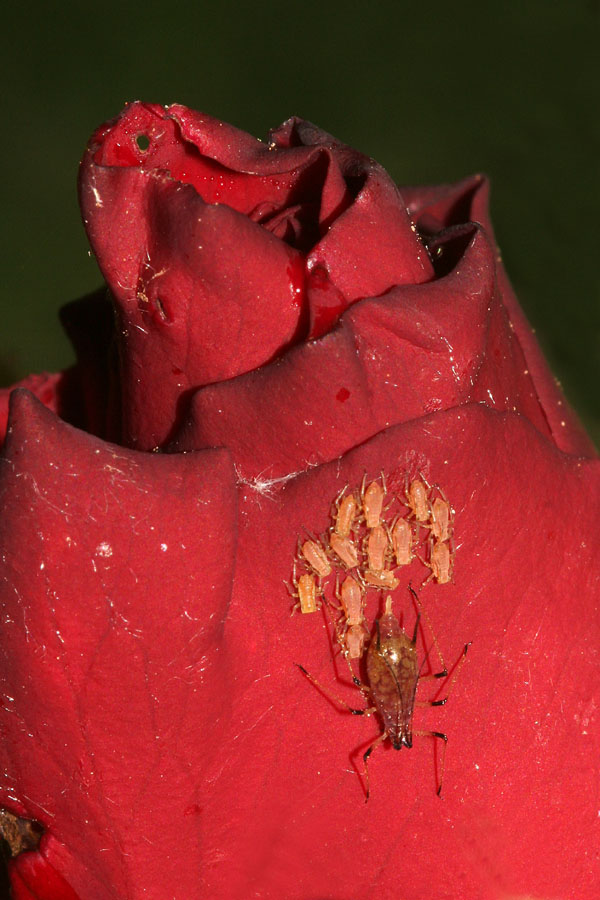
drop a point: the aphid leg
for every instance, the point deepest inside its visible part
(339, 622)
(451, 683)
(368, 711)
(292, 589)
(431, 576)
(337, 595)
(363, 688)
(422, 611)
(379, 740)
(441, 736)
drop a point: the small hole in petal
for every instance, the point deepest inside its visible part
(143, 142)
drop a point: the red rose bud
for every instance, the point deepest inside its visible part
(348, 402)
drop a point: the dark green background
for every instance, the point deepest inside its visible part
(433, 91)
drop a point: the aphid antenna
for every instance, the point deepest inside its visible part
(335, 503)
(378, 740)
(416, 631)
(424, 480)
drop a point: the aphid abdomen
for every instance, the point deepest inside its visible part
(440, 519)
(345, 515)
(354, 641)
(344, 549)
(372, 502)
(377, 548)
(385, 580)
(393, 673)
(418, 500)
(402, 541)
(316, 558)
(441, 562)
(351, 597)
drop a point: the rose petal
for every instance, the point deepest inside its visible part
(416, 350)
(112, 623)
(186, 268)
(33, 878)
(58, 391)
(442, 206)
(183, 273)
(522, 721)
(249, 174)
(372, 246)
(274, 770)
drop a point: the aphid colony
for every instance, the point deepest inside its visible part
(374, 534)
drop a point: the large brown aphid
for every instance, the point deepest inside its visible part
(393, 675)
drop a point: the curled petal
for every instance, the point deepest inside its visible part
(444, 206)
(220, 252)
(198, 276)
(416, 350)
(58, 391)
